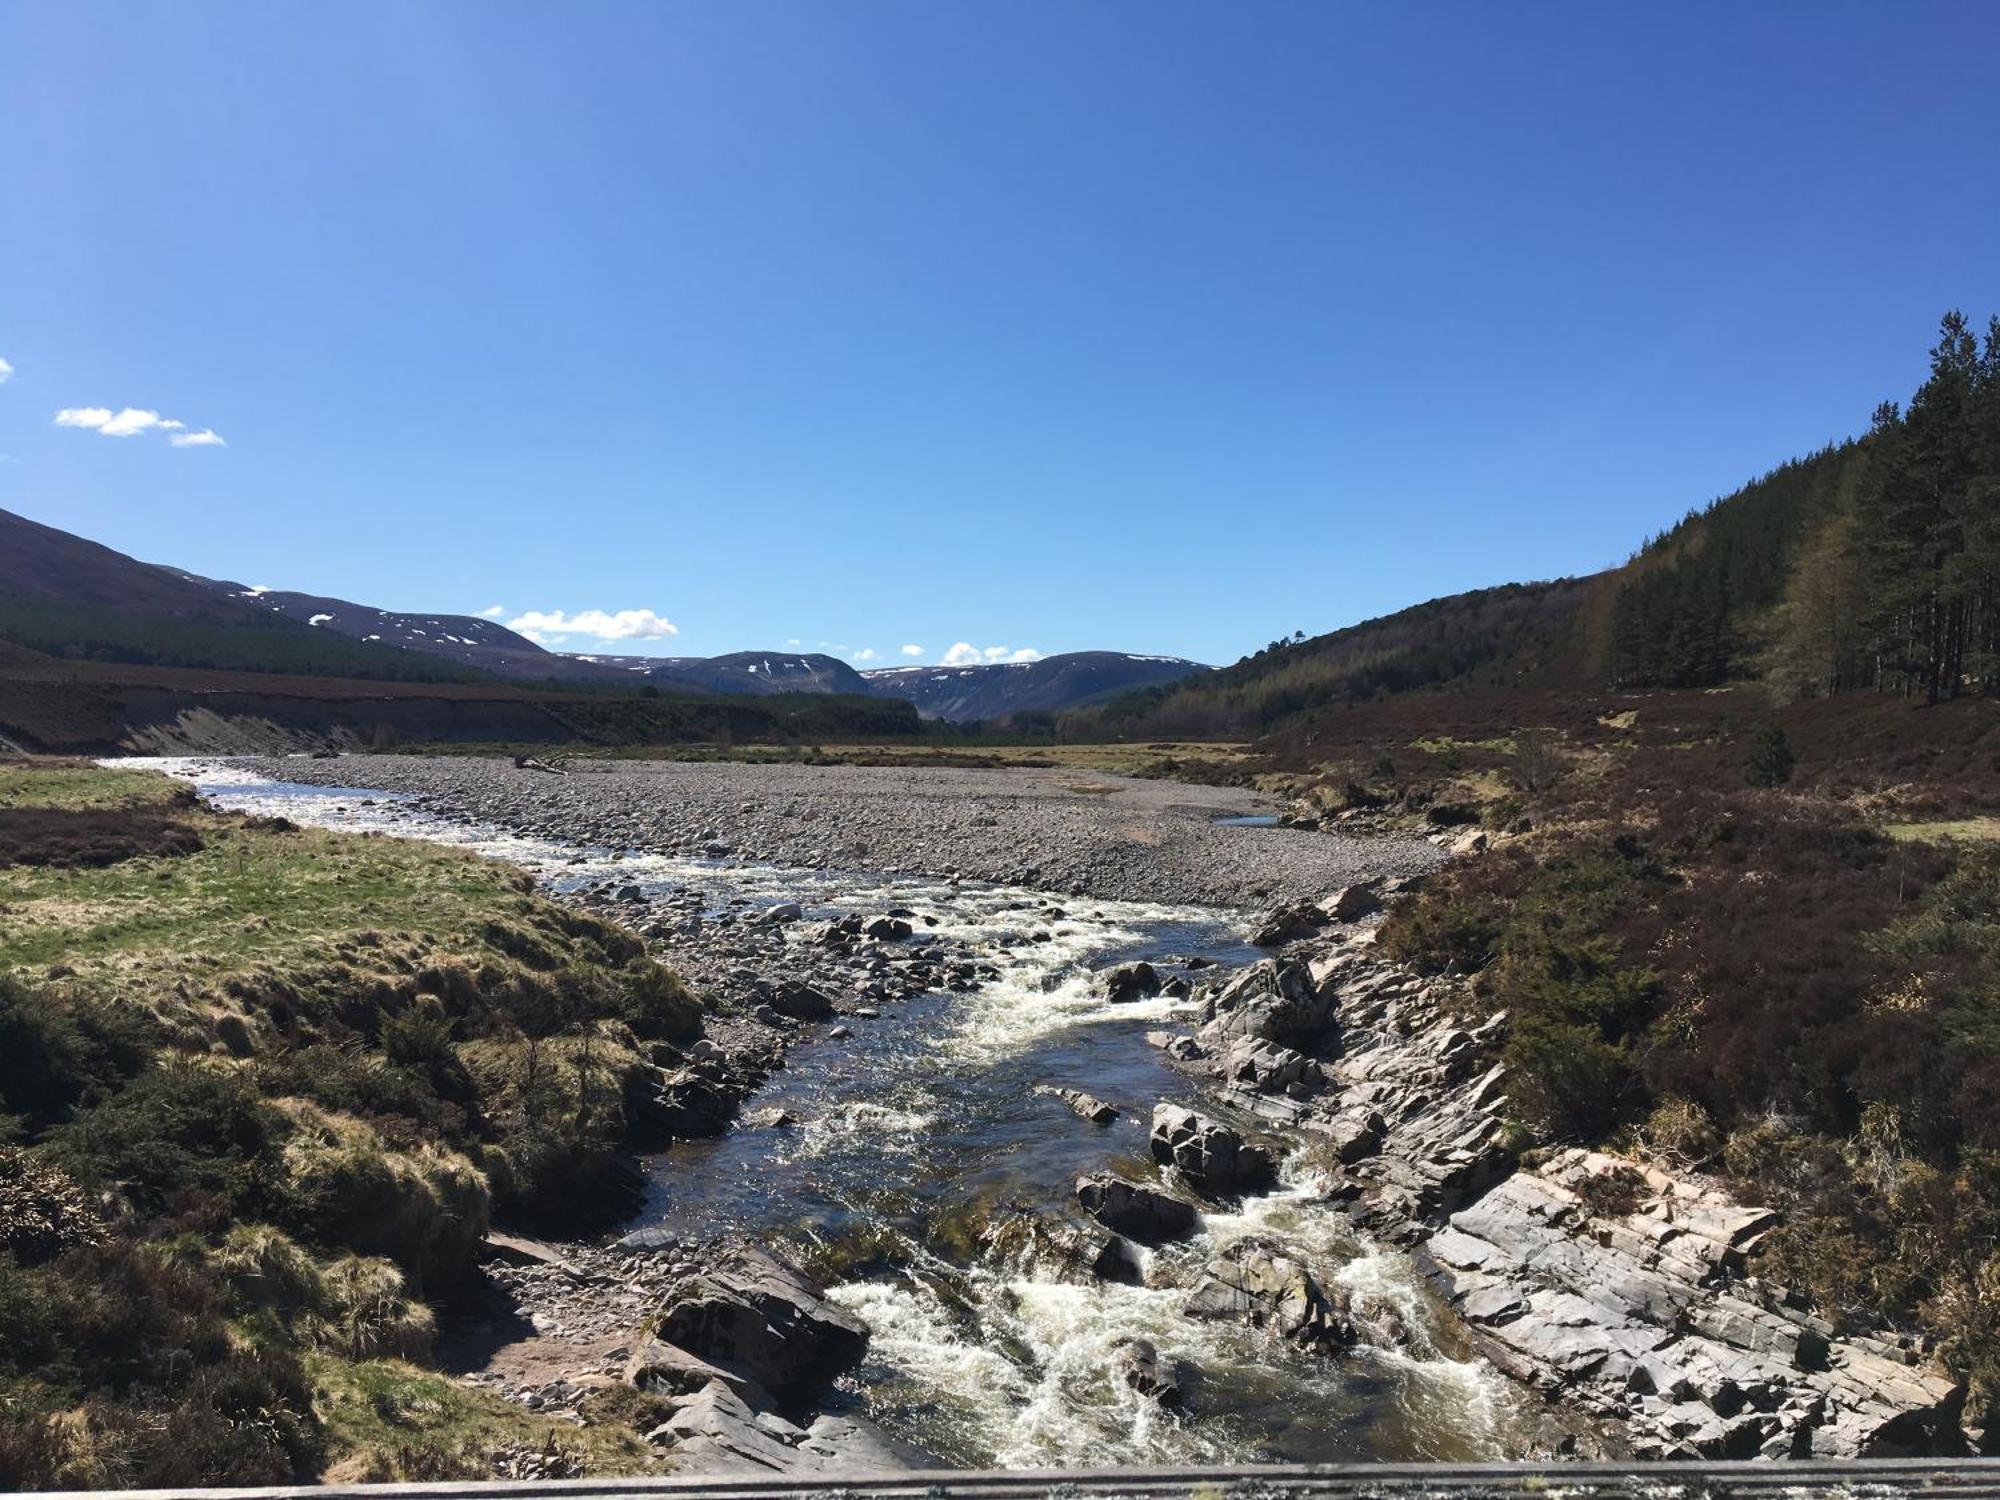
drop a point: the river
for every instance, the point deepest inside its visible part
(918, 1127)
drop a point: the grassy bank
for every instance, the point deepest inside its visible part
(262, 1090)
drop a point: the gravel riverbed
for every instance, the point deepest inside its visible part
(1068, 831)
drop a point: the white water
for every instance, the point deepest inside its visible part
(986, 1364)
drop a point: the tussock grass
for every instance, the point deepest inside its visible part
(388, 1420)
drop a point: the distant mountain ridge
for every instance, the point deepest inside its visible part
(995, 690)
(65, 596)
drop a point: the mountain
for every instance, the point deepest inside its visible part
(994, 690)
(483, 645)
(761, 673)
(67, 597)
(72, 598)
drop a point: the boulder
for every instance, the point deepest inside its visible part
(1350, 903)
(1061, 1249)
(888, 929)
(694, 1102)
(1084, 1106)
(1287, 924)
(1177, 1045)
(1215, 1159)
(1129, 982)
(801, 1001)
(1133, 1209)
(1274, 1000)
(1254, 1281)
(1141, 1367)
(719, 1430)
(756, 1316)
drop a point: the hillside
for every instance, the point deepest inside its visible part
(1519, 635)
(760, 673)
(482, 645)
(998, 690)
(69, 597)
(1870, 565)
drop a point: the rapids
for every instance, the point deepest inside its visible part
(920, 1127)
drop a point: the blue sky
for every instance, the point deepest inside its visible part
(1158, 326)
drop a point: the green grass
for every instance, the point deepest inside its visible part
(73, 784)
(252, 894)
(304, 921)
(1949, 831)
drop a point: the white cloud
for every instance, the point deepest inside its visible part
(130, 421)
(866, 653)
(544, 626)
(913, 650)
(5, 371)
(493, 612)
(965, 654)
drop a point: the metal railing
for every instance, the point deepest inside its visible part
(1875, 1479)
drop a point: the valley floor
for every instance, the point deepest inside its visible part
(1069, 831)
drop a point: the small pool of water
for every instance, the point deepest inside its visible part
(1247, 820)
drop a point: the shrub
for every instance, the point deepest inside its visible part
(1769, 760)
(1614, 1194)
(1681, 1131)
(57, 1053)
(183, 1132)
(1567, 1078)
(90, 837)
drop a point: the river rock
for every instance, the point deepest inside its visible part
(1275, 1000)
(1215, 1159)
(754, 1314)
(1084, 1106)
(1256, 1282)
(1640, 1317)
(1141, 1366)
(1129, 982)
(1061, 1249)
(717, 1430)
(1350, 904)
(1288, 924)
(888, 929)
(1143, 1213)
(800, 1001)
(1262, 1067)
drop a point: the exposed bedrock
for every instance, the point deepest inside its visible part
(1629, 1301)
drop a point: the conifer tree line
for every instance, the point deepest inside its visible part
(1871, 565)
